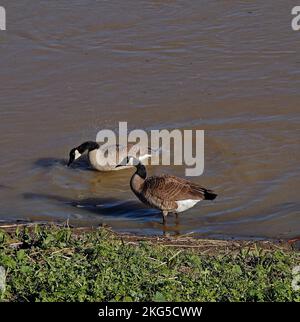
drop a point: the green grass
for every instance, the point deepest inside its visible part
(55, 264)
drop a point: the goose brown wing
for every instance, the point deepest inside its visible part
(172, 188)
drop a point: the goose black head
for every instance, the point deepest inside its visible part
(78, 151)
(73, 155)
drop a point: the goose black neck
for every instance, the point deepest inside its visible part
(141, 171)
(89, 145)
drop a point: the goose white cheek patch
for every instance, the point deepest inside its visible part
(77, 154)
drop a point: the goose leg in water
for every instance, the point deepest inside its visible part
(165, 214)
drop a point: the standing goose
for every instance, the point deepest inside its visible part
(166, 192)
(104, 158)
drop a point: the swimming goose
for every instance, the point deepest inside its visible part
(98, 155)
(166, 192)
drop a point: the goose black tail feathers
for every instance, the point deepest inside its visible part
(209, 195)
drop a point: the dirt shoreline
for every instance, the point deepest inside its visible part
(186, 241)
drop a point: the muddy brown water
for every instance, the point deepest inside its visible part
(232, 68)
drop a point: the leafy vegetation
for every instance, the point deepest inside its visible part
(56, 264)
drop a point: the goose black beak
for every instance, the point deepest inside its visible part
(123, 163)
(71, 159)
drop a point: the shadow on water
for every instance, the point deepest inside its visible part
(46, 163)
(112, 207)
(101, 206)
(49, 162)
(2, 186)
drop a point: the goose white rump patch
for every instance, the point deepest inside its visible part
(183, 205)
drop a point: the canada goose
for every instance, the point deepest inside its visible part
(104, 159)
(166, 192)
